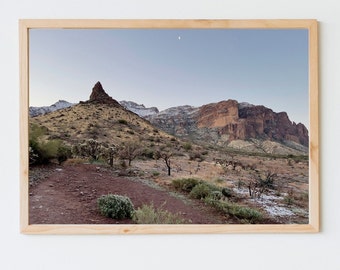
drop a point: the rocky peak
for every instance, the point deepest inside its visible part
(99, 95)
(218, 114)
(229, 120)
(139, 109)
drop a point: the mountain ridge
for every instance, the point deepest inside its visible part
(60, 104)
(218, 123)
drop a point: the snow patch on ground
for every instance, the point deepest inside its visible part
(269, 203)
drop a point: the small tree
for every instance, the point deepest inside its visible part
(88, 149)
(261, 184)
(166, 157)
(129, 151)
(93, 149)
(111, 152)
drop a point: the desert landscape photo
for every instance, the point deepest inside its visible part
(168, 126)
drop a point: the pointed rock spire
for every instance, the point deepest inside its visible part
(99, 95)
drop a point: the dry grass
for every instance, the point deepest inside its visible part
(101, 122)
(117, 126)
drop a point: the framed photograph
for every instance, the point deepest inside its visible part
(169, 126)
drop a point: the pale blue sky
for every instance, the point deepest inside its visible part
(166, 68)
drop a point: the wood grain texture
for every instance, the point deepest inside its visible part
(314, 185)
(24, 82)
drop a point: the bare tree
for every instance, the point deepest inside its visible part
(166, 157)
(110, 153)
(89, 148)
(129, 151)
(260, 184)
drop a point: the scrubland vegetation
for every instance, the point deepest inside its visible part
(244, 187)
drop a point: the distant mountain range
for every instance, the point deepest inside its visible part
(139, 109)
(61, 104)
(225, 123)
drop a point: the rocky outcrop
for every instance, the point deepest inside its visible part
(229, 120)
(261, 122)
(99, 95)
(218, 114)
(179, 121)
(139, 109)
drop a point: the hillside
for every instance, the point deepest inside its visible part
(101, 118)
(227, 123)
(237, 125)
(263, 177)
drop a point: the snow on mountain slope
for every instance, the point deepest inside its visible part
(138, 109)
(61, 104)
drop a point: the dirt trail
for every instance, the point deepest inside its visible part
(68, 195)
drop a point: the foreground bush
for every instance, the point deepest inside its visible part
(200, 191)
(245, 214)
(115, 206)
(147, 214)
(186, 184)
(42, 151)
(197, 189)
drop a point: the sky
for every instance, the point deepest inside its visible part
(171, 67)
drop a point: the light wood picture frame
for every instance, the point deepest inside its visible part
(312, 198)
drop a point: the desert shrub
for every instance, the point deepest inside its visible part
(200, 191)
(288, 200)
(216, 195)
(155, 173)
(90, 148)
(245, 214)
(42, 151)
(197, 189)
(129, 151)
(185, 184)
(196, 156)
(204, 190)
(147, 214)
(115, 206)
(122, 121)
(205, 152)
(148, 153)
(187, 146)
(221, 206)
(227, 192)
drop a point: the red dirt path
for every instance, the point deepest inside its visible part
(68, 195)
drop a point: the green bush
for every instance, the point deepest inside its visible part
(155, 173)
(115, 206)
(227, 192)
(185, 184)
(216, 195)
(204, 190)
(42, 151)
(200, 191)
(245, 214)
(248, 214)
(187, 146)
(122, 121)
(148, 153)
(63, 153)
(147, 214)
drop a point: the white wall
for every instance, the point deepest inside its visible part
(243, 251)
